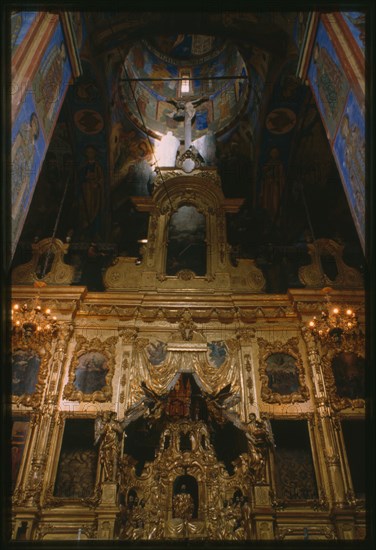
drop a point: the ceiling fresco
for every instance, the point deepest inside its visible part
(148, 82)
(263, 133)
(186, 46)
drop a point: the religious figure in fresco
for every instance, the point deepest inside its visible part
(273, 183)
(48, 84)
(128, 149)
(92, 193)
(23, 153)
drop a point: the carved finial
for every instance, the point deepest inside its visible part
(186, 326)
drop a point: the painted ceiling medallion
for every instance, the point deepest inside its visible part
(280, 121)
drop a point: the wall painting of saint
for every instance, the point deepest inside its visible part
(25, 369)
(348, 371)
(91, 372)
(282, 373)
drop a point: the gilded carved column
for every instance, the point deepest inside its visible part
(128, 337)
(331, 451)
(246, 339)
(58, 359)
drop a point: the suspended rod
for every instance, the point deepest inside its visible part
(183, 78)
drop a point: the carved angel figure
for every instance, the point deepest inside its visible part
(107, 430)
(220, 404)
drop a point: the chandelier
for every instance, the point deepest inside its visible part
(334, 322)
(31, 322)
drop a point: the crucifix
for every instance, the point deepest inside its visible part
(185, 110)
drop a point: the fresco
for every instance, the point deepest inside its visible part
(186, 241)
(48, 193)
(51, 81)
(282, 373)
(234, 163)
(349, 372)
(328, 81)
(28, 148)
(184, 46)
(91, 371)
(33, 125)
(25, 370)
(131, 158)
(91, 191)
(20, 428)
(300, 28)
(357, 22)
(273, 183)
(224, 103)
(349, 148)
(259, 60)
(280, 121)
(217, 353)
(142, 63)
(20, 24)
(152, 107)
(91, 178)
(79, 27)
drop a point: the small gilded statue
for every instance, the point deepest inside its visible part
(183, 504)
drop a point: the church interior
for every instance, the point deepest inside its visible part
(188, 229)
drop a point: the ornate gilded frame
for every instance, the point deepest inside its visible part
(107, 348)
(33, 399)
(52, 501)
(290, 348)
(351, 346)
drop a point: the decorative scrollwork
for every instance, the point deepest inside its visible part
(312, 275)
(185, 274)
